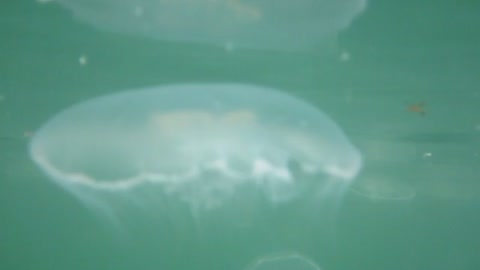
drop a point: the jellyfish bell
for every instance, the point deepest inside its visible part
(265, 24)
(200, 145)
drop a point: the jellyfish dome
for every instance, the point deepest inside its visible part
(198, 143)
(267, 24)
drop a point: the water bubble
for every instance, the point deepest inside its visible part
(277, 24)
(288, 261)
(196, 144)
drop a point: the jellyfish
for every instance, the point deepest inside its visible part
(264, 24)
(198, 145)
(287, 261)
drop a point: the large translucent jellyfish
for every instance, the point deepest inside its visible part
(277, 24)
(200, 145)
(287, 261)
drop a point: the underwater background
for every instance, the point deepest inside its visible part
(402, 82)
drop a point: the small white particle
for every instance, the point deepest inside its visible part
(344, 56)
(427, 155)
(229, 46)
(138, 11)
(83, 60)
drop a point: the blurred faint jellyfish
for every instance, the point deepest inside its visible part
(288, 261)
(384, 187)
(267, 24)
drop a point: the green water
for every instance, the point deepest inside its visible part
(415, 205)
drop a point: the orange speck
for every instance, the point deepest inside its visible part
(417, 108)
